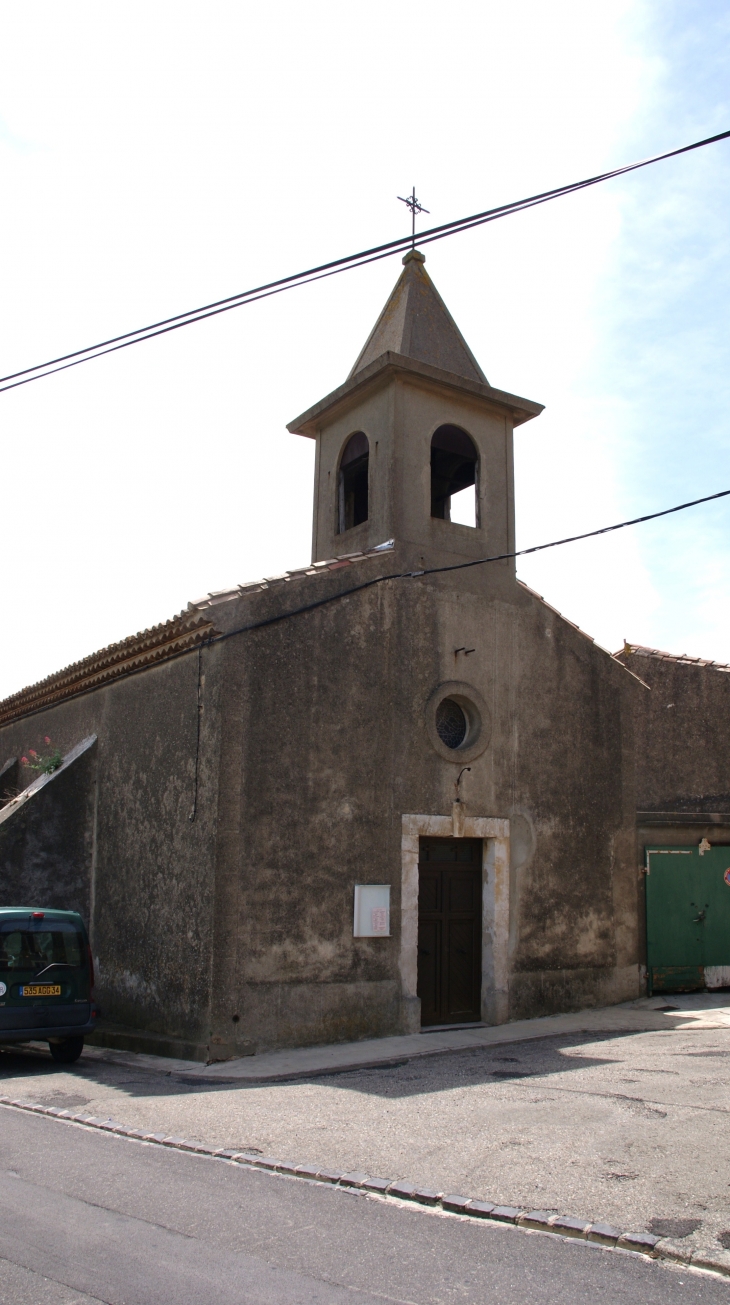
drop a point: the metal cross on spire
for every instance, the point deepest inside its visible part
(416, 207)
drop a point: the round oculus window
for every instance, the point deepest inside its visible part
(458, 722)
(451, 723)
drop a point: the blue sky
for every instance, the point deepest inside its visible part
(162, 156)
(662, 308)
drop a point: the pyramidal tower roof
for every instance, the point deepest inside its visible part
(417, 324)
(414, 334)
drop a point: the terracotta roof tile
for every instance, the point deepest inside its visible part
(682, 659)
(147, 648)
(159, 644)
(286, 578)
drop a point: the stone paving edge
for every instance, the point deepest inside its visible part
(643, 1243)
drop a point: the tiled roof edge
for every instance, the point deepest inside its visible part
(148, 648)
(300, 573)
(681, 659)
(159, 644)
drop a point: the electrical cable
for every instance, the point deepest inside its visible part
(369, 584)
(139, 338)
(460, 566)
(165, 325)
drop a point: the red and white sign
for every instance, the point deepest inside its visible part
(379, 919)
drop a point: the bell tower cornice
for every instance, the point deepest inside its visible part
(390, 364)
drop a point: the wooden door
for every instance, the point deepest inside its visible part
(450, 930)
(687, 918)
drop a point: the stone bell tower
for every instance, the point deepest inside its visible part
(415, 423)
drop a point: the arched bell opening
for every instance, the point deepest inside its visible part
(352, 506)
(454, 463)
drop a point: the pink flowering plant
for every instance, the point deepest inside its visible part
(44, 762)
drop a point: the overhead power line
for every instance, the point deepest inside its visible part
(459, 566)
(574, 539)
(165, 325)
(394, 575)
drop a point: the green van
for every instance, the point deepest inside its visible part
(46, 980)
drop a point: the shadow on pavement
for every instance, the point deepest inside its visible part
(515, 1063)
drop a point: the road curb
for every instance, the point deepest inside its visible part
(643, 1243)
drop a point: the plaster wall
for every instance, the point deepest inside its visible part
(112, 838)
(682, 728)
(326, 748)
(399, 417)
(234, 931)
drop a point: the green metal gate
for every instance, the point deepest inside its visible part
(687, 917)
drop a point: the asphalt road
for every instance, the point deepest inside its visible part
(630, 1129)
(87, 1217)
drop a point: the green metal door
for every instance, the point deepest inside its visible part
(687, 915)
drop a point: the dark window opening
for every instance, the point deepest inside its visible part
(453, 468)
(451, 723)
(353, 486)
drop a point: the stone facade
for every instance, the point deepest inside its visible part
(683, 766)
(279, 743)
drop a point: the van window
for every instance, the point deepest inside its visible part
(23, 947)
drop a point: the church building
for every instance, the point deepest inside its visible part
(393, 789)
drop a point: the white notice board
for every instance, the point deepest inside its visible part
(372, 911)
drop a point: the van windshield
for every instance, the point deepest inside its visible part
(24, 947)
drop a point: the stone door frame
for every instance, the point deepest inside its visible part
(495, 902)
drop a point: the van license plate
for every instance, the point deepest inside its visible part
(40, 990)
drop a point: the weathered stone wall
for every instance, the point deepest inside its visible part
(306, 779)
(575, 915)
(325, 747)
(112, 837)
(235, 931)
(682, 729)
(399, 418)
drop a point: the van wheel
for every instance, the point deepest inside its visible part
(66, 1051)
